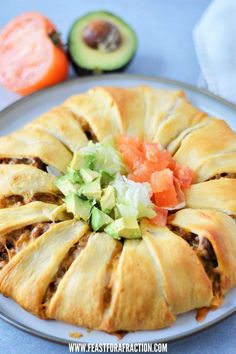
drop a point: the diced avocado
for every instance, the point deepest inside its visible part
(101, 42)
(79, 207)
(106, 178)
(74, 176)
(123, 227)
(88, 175)
(91, 190)
(81, 160)
(99, 219)
(116, 213)
(66, 186)
(108, 199)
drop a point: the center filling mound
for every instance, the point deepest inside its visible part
(112, 185)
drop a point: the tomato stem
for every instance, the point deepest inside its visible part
(56, 38)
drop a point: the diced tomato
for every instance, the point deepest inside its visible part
(164, 159)
(184, 175)
(179, 192)
(149, 162)
(132, 156)
(135, 178)
(172, 164)
(161, 217)
(151, 151)
(126, 140)
(161, 180)
(143, 172)
(166, 199)
(160, 157)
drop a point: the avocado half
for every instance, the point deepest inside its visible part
(101, 42)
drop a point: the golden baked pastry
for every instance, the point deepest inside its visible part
(56, 267)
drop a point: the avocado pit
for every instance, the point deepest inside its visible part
(102, 35)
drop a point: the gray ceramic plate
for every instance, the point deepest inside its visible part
(21, 112)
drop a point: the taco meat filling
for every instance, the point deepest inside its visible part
(46, 198)
(87, 129)
(15, 241)
(63, 268)
(11, 200)
(204, 250)
(33, 161)
(224, 174)
(18, 200)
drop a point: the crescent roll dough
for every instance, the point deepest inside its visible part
(220, 230)
(215, 140)
(26, 277)
(224, 163)
(25, 180)
(62, 124)
(190, 287)
(130, 105)
(158, 103)
(17, 217)
(180, 117)
(30, 142)
(81, 295)
(96, 113)
(175, 143)
(134, 304)
(215, 194)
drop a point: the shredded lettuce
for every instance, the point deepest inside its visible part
(99, 156)
(133, 199)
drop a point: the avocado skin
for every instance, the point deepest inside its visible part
(81, 71)
(85, 72)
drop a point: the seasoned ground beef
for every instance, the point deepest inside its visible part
(18, 200)
(15, 241)
(39, 229)
(220, 175)
(33, 161)
(3, 255)
(12, 200)
(87, 129)
(47, 198)
(204, 250)
(64, 266)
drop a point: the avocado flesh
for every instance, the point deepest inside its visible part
(82, 161)
(77, 206)
(99, 219)
(91, 190)
(124, 227)
(88, 175)
(106, 178)
(66, 186)
(108, 199)
(89, 59)
(74, 176)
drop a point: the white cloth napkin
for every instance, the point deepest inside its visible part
(215, 43)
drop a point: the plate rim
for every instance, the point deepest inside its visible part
(110, 77)
(170, 339)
